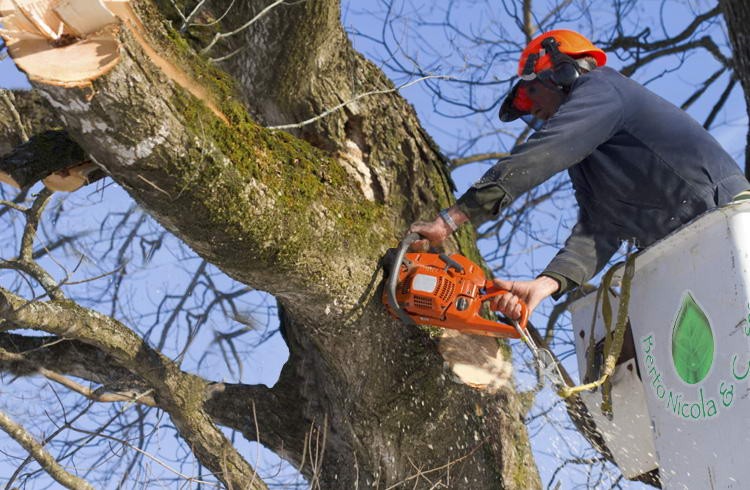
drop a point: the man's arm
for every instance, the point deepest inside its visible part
(591, 115)
(585, 253)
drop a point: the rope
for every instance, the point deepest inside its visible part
(613, 342)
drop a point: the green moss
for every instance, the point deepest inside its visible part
(296, 176)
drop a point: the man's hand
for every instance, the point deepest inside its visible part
(436, 231)
(530, 292)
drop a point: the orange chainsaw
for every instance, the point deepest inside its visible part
(444, 291)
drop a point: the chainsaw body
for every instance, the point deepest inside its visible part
(444, 291)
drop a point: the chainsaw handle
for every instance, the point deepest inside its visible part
(493, 293)
(393, 277)
(449, 262)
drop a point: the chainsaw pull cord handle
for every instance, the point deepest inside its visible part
(393, 277)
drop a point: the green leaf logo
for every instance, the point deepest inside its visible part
(692, 342)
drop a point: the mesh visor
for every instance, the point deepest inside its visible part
(516, 103)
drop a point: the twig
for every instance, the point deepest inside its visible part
(179, 12)
(95, 278)
(44, 442)
(213, 23)
(720, 103)
(93, 395)
(15, 115)
(148, 455)
(45, 459)
(358, 97)
(230, 55)
(187, 20)
(439, 468)
(222, 35)
(457, 162)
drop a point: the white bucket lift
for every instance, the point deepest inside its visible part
(681, 404)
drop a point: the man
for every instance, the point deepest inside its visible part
(640, 166)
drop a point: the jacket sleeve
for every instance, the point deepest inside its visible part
(586, 252)
(591, 114)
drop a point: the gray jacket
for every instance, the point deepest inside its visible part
(640, 167)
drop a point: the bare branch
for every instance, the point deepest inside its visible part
(68, 320)
(629, 42)
(720, 103)
(94, 395)
(45, 460)
(481, 157)
(222, 35)
(355, 99)
(16, 117)
(706, 84)
(187, 20)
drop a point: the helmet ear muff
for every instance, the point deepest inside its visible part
(565, 70)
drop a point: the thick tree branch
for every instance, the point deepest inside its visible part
(42, 155)
(305, 225)
(180, 394)
(737, 15)
(283, 424)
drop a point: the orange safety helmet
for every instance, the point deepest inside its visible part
(549, 57)
(569, 42)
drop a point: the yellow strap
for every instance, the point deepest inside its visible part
(612, 344)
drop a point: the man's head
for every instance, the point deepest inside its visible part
(548, 67)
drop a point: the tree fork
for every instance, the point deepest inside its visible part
(284, 217)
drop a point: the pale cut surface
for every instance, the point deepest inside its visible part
(475, 360)
(67, 43)
(71, 66)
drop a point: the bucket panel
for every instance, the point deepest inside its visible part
(690, 316)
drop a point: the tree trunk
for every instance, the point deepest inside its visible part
(306, 218)
(737, 16)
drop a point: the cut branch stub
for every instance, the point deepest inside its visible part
(70, 43)
(50, 156)
(67, 43)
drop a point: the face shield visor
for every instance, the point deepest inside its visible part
(518, 103)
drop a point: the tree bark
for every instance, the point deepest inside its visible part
(306, 218)
(737, 16)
